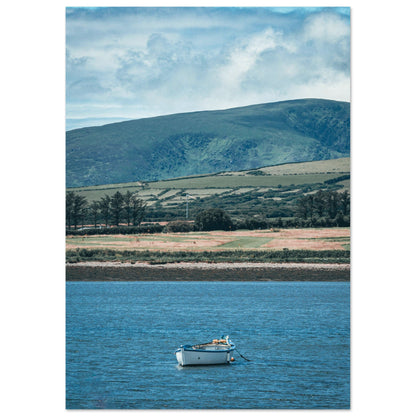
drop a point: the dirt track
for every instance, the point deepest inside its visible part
(113, 271)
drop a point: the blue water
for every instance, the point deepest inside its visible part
(121, 338)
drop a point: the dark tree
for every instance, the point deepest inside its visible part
(70, 196)
(128, 206)
(84, 214)
(116, 208)
(95, 209)
(213, 219)
(319, 203)
(305, 207)
(332, 204)
(79, 208)
(105, 202)
(345, 202)
(325, 208)
(302, 208)
(138, 209)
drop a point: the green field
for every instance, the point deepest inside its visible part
(281, 178)
(247, 242)
(271, 181)
(268, 192)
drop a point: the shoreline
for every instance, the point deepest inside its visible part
(244, 271)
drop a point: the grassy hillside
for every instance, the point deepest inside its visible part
(208, 141)
(269, 191)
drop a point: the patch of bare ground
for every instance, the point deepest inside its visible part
(296, 244)
(294, 239)
(288, 233)
(315, 233)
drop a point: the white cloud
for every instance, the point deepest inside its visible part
(244, 57)
(147, 62)
(326, 28)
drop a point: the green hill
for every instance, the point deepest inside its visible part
(208, 141)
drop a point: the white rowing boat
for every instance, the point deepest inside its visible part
(219, 351)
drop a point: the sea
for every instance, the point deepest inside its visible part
(292, 345)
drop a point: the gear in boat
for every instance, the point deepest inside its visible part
(216, 344)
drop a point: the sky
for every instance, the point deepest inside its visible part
(128, 63)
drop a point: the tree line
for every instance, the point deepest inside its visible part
(324, 205)
(120, 208)
(319, 209)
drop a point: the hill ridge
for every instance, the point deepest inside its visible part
(207, 111)
(207, 141)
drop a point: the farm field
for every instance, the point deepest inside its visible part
(293, 239)
(276, 178)
(268, 195)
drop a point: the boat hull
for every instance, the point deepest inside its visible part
(202, 357)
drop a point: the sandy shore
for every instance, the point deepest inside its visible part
(118, 271)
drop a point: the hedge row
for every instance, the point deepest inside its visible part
(240, 224)
(143, 229)
(300, 256)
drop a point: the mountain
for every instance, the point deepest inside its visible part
(208, 141)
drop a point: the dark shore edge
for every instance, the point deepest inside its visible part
(284, 272)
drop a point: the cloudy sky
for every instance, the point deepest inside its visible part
(142, 62)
